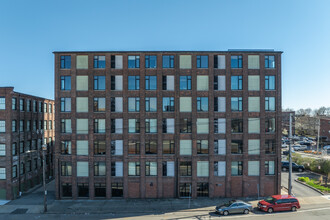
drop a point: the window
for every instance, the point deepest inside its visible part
(185, 104)
(168, 147)
(168, 104)
(99, 147)
(66, 147)
(220, 83)
(66, 190)
(14, 104)
(151, 61)
(133, 125)
(133, 147)
(2, 103)
(202, 125)
(14, 149)
(82, 126)
(185, 147)
(2, 150)
(65, 62)
(151, 82)
(99, 83)
(270, 146)
(65, 82)
(99, 62)
(253, 62)
(13, 126)
(151, 147)
(117, 189)
(219, 61)
(21, 105)
(35, 106)
(117, 147)
(185, 61)
(45, 107)
(220, 125)
(34, 125)
(185, 190)
(269, 62)
(253, 146)
(185, 125)
(82, 147)
(100, 190)
(270, 125)
(168, 125)
(220, 147)
(82, 104)
(99, 126)
(82, 83)
(99, 168)
(117, 168)
(254, 125)
(202, 61)
(35, 164)
(116, 61)
(22, 168)
(66, 169)
(82, 169)
(202, 190)
(151, 104)
(2, 173)
(202, 168)
(82, 62)
(50, 106)
(237, 104)
(236, 62)
(270, 103)
(117, 126)
(236, 147)
(253, 83)
(185, 82)
(237, 168)
(34, 144)
(133, 82)
(133, 62)
(269, 167)
(202, 104)
(253, 168)
(3, 126)
(168, 83)
(220, 168)
(117, 104)
(151, 125)
(270, 82)
(220, 104)
(28, 166)
(237, 125)
(202, 146)
(168, 61)
(83, 190)
(40, 107)
(168, 168)
(117, 83)
(99, 105)
(133, 168)
(66, 126)
(65, 104)
(45, 125)
(133, 104)
(14, 169)
(185, 168)
(254, 104)
(28, 105)
(236, 82)
(151, 168)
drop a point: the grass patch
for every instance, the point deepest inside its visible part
(314, 183)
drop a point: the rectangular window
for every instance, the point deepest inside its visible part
(202, 125)
(185, 61)
(236, 82)
(2, 126)
(219, 61)
(117, 126)
(133, 147)
(185, 190)
(168, 125)
(151, 168)
(133, 62)
(185, 168)
(65, 82)
(117, 83)
(151, 61)
(66, 169)
(237, 125)
(253, 83)
(14, 169)
(2, 150)
(65, 104)
(220, 147)
(237, 104)
(270, 125)
(168, 61)
(168, 168)
(50, 125)
(66, 126)
(202, 104)
(168, 83)
(116, 61)
(117, 189)
(65, 62)
(133, 125)
(82, 169)
(99, 62)
(270, 146)
(185, 125)
(151, 147)
(99, 147)
(2, 103)
(133, 104)
(82, 62)
(202, 146)
(185, 82)
(236, 168)
(220, 125)
(117, 168)
(99, 169)
(99, 83)
(270, 82)
(168, 147)
(185, 104)
(22, 168)
(13, 126)
(253, 62)
(151, 104)
(50, 108)
(83, 190)
(151, 125)
(82, 147)
(117, 104)
(35, 106)
(269, 62)
(82, 83)
(254, 104)
(82, 126)
(14, 149)
(45, 107)
(220, 168)
(2, 173)
(99, 105)
(117, 147)
(269, 103)
(269, 167)
(253, 146)
(100, 190)
(254, 125)
(28, 105)
(99, 126)
(21, 105)
(185, 147)
(14, 104)
(66, 147)
(253, 168)
(220, 83)
(202, 61)
(202, 189)
(202, 168)
(133, 82)
(151, 82)
(133, 168)
(220, 104)
(168, 104)
(28, 166)
(236, 147)
(236, 62)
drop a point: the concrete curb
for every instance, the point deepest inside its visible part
(302, 183)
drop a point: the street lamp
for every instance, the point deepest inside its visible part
(44, 149)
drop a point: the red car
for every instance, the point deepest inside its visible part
(279, 203)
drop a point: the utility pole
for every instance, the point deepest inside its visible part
(44, 148)
(290, 157)
(318, 136)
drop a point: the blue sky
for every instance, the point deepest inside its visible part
(31, 30)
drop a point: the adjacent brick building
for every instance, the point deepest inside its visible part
(325, 128)
(21, 116)
(155, 124)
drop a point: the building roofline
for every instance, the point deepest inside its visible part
(179, 51)
(21, 93)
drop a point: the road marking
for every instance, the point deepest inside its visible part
(326, 197)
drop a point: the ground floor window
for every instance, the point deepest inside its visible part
(185, 189)
(66, 190)
(202, 189)
(100, 190)
(83, 190)
(117, 189)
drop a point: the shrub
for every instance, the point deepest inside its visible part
(304, 179)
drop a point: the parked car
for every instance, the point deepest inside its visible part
(287, 152)
(279, 203)
(303, 147)
(296, 147)
(295, 167)
(285, 145)
(327, 147)
(234, 206)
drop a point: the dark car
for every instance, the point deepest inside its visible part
(295, 167)
(279, 203)
(234, 206)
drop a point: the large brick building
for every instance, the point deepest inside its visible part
(21, 117)
(155, 124)
(325, 128)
